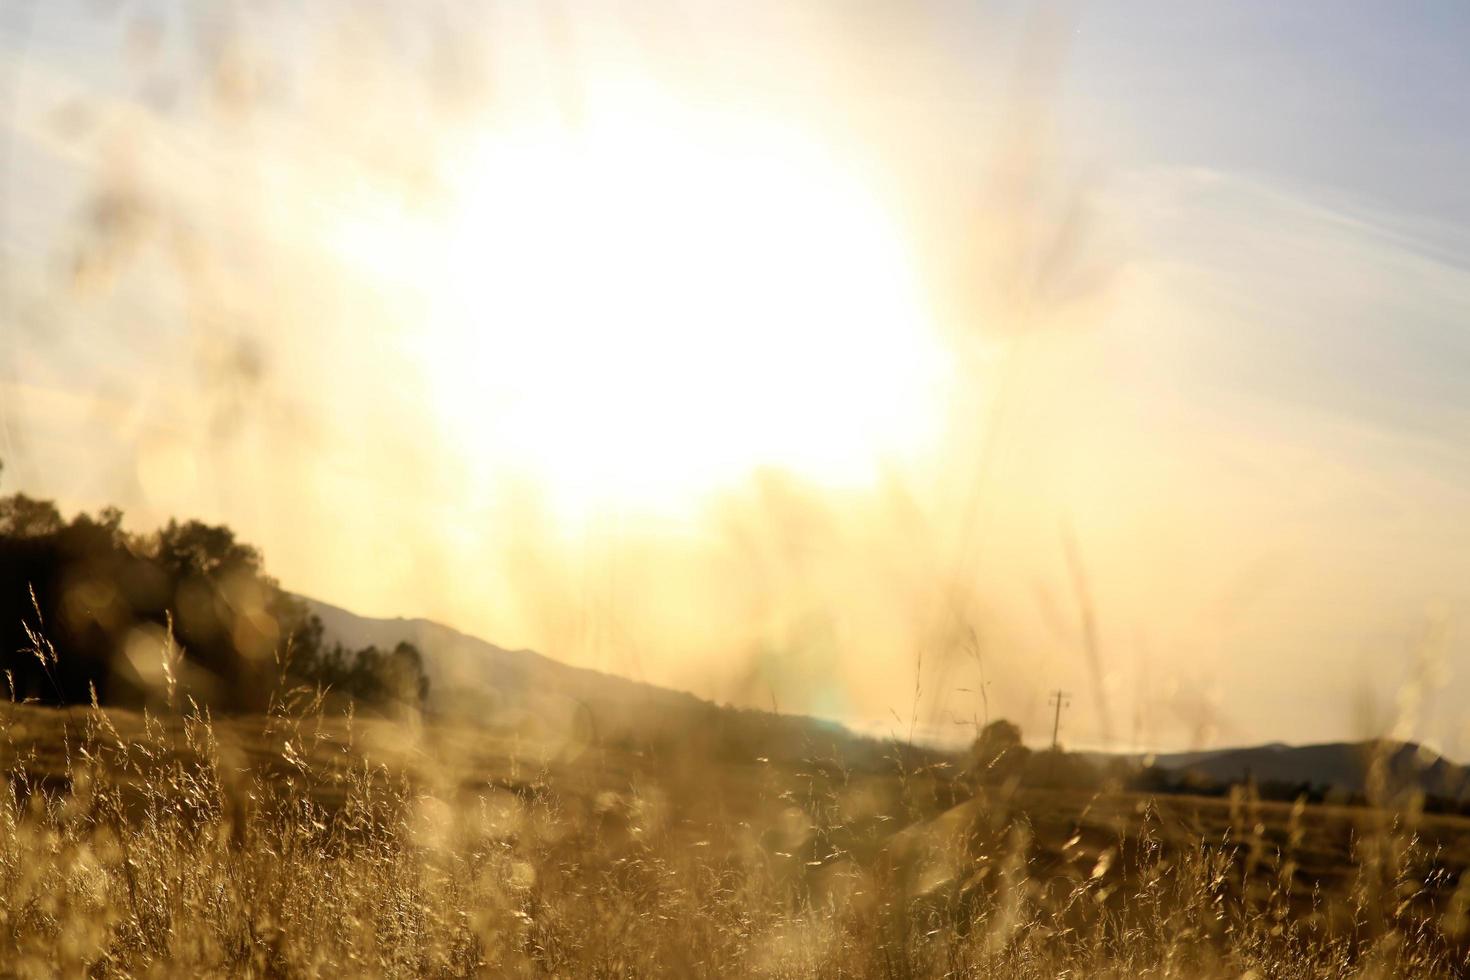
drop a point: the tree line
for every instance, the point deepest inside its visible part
(89, 610)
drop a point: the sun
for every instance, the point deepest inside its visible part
(642, 310)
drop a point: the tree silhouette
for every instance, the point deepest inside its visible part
(26, 517)
(99, 599)
(997, 752)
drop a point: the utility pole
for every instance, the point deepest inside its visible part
(1060, 699)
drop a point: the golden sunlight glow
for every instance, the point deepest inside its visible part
(644, 308)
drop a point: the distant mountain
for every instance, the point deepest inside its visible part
(1182, 760)
(471, 680)
(1333, 767)
(476, 681)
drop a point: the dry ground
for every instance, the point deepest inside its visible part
(304, 844)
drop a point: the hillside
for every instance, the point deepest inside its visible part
(474, 681)
(471, 679)
(1341, 768)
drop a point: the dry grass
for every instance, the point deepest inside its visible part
(301, 845)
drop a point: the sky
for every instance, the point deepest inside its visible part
(900, 364)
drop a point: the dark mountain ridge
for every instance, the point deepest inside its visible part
(1349, 768)
(472, 680)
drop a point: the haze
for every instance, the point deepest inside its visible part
(881, 362)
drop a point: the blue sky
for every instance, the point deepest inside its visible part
(1360, 99)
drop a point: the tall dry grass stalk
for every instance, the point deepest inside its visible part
(304, 844)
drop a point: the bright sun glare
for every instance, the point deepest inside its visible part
(648, 307)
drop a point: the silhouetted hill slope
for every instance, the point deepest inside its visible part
(521, 690)
(471, 677)
(1335, 766)
(1182, 760)
(1338, 769)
